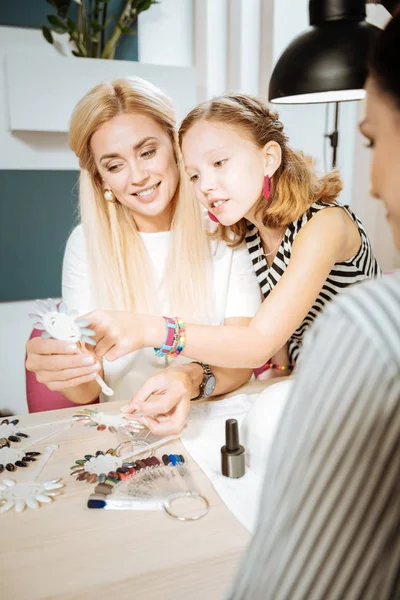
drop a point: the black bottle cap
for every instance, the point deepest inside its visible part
(231, 435)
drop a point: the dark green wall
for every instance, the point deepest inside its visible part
(25, 13)
(38, 210)
(32, 13)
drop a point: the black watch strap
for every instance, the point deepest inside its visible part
(207, 373)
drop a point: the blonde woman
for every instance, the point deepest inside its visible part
(305, 246)
(142, 247)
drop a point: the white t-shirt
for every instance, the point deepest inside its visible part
(236, 294)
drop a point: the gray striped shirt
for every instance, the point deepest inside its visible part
(329, 521)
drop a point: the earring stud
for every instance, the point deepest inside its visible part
(109, 196)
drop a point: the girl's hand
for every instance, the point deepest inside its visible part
(120, 332)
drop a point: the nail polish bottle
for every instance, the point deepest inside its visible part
(232, 454)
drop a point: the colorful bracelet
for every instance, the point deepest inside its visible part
(280, 367)
(170, 326)
(175, 338)
(181, 339)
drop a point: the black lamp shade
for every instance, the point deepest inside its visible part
(328, 63)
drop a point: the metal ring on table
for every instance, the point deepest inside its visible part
(170, 499)
(134, 444)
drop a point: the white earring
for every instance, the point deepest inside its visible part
(109, 196)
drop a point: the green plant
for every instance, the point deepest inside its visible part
(92, 32)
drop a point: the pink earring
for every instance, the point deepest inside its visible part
(212, 217)
(267, 187)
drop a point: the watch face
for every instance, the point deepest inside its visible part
(210, 386)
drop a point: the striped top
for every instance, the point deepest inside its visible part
(329, 519)
(362, 265)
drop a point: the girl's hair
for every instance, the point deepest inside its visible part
(384, 60)
(295, 184)
(119, 263)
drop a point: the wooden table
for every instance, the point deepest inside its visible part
(65, 550)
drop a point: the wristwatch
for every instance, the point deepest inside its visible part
(209, 382)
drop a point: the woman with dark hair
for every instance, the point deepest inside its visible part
(329, 519)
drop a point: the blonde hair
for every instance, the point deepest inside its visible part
(295, 184)
(119, 263)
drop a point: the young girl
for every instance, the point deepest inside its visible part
(305, 246)
(142, 247)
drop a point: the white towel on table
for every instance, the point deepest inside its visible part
(258, 417)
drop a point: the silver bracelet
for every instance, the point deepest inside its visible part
(170, 499)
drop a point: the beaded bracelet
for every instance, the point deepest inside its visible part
(181, 339)
(279, 367)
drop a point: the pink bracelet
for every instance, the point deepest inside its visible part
(171, 326)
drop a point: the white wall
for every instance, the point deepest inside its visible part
(28, 150)
(49, 107)
(211, 47)
(166, 34)
(232, 39)
(244, 45)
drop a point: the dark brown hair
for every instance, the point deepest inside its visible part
(384, 61)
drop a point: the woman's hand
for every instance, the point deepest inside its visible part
(120, 332)
(164, 399)
(59, 365)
